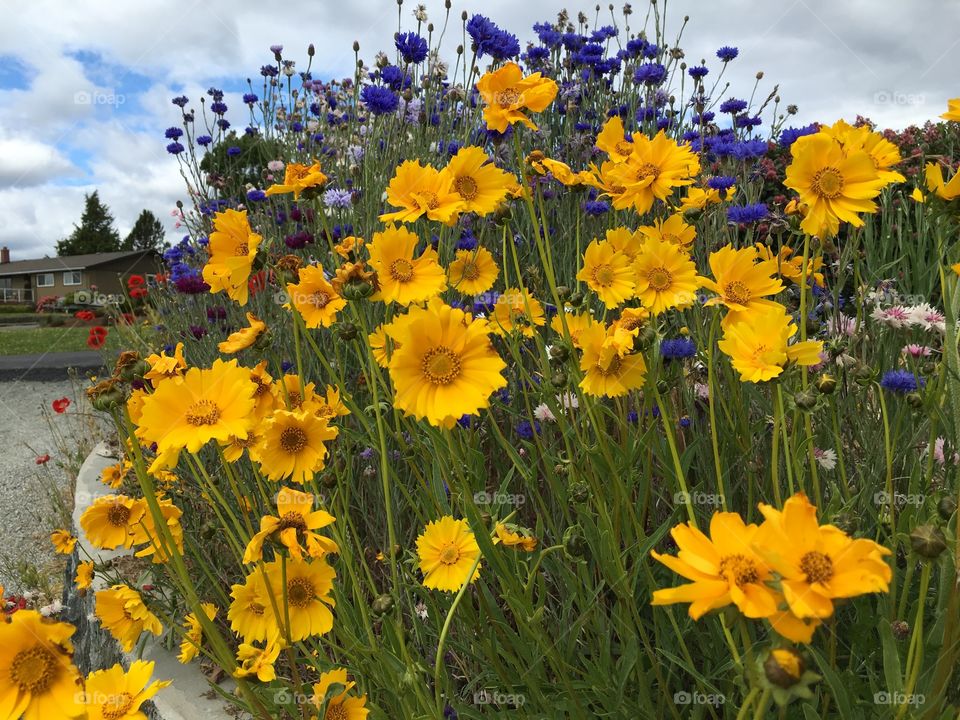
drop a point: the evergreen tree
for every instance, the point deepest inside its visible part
(147, 234)
(95, 233)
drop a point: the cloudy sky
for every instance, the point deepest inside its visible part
(85, 88)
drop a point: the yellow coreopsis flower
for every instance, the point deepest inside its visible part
(292, 445)
(115, 694)
(404, 278)
(472, 271)
(576, 323)
(757, 344)
(445, 366)
(818, 563)
(232, 247)
(608, 273)
(298, 396)
(953, 110)
(121, 611)
(507, 93)
(791, 266)
(882, 152)
(561, 171)
(613, 140)
(935, 184)
(420, 190)
(84, 575)
(297, 178)
(308, 586)
(447, 550)
(655, 167)
(331, 406)
(193, 633)
(340, 705)
(244, 337)
(294, 524)
(258, 662)
(315, 298)
(609, 368)
(63, 542)
(724, 568)
(251, 613)
(674, 229)
(629, 242)
(113, 475)
(146, 532)
(38, 679)
(165, 366)
(110, 521)
(741, 282)
(479, 182)
(834, 184)
(207, 404)
(265, 394)
(516, 309)
(698, 198)
(666, 277)
(511, 536)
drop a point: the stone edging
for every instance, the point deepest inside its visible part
(189, 696)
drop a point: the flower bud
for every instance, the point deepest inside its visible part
(901, 629)
(346, 331)
(826, 384)
(558, 379)
(805, 400)
(574, 544)
(915, 400)
(928, 541)
(946, 507)
(559, 353)
(784, 667)
(382, 604)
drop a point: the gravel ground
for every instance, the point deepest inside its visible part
(27, 511)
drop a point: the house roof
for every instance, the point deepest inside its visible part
(68, 262)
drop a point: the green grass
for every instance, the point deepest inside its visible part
(28, 341)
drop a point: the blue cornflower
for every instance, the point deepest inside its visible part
(394, 77)
(218, 108)
(684, 422)
(632, 417)
(174, 148)
(527, 430)
(413, 48)
(721, 182)
(180, 101)
(727, 53)
(745, 120)
(204, 140)
(703, 118)
(286, 366)
(733, 106)
(250, 98)
(678, 348)
(537, 54)
(223, 124)
(748, 149)
(547, 34)
(467, 241)
(900, 381)
(379, 100)
(747, 213)
(233, 151)
(256, 195)
(596, 207)
(790, 135)
(488, 39)
(336, 198)
(173, 133)
(650, 74)
(269, 71)
(276, 49)
(698, 71)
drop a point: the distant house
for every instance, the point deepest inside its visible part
(100, 274)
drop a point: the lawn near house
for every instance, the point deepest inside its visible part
(34, 340)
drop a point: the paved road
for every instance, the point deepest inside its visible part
(48, 366)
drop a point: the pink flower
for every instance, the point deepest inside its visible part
(917, 351)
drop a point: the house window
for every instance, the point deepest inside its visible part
(72, 277)
(45, 280)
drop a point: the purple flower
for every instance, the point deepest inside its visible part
(413, 48)
(379, 100)
(650, 74)
(173, 133)
(698, 71)
(901, 381)
(747, 213)
(338, 199)
(678, 348)
(174, 148)
(733, 106)
(727, 53)
(204, 140)
(180, 101)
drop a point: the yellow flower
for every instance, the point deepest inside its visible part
(208, 404)
(818, 563)
(404, 278)
(292, 446)
(264, 395)
(378, 346)
(917, 195)
(298, 397)
(511, 536)
(315, 298)
(791, 266)
(165, 366)
(297, 178)
(561, 171)
(935, 184)
(673, 229)
(739, 280)
(653, 170)
(63, 541)
(110, 521)
(258, 662)
(84, 576)
(121, 611)
(114, 475)
(724, 568)
(232, 247)
(420, 190)
(757, 343)
(507, 93)
(445, 367)
(953, 110)
(146, 532)
(666, 277)
(332, 406)
(193, 633)
(244, 337)
(251, 612)
(340, 705)
(309, 583)
(613, 140)
(609, 369)
(516, 309)
(473, 271)
(349, 246)
(295, 523)
(38, 680)
(698, 198)
(117, 695)
(608, 273)
(834, 185)
(479, 182)
(447, 550)
(628, 242)
(576, 325)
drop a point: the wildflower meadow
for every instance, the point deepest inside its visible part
(557, 381)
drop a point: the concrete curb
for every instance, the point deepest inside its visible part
(190, 696)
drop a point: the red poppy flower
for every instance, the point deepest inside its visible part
(257, 282)
(139, 292)
(60, 406)
(97, 337)
(160, 278)
(128, 318)
(85, 315)
(135, 281)
(43, 459)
